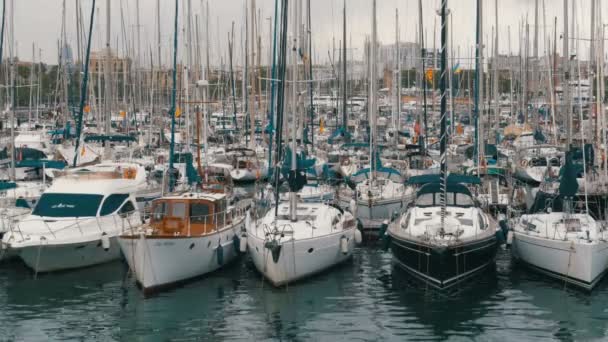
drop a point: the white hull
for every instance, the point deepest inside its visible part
(576, 262)
(158, 262)
(246, 175)
(301, 258)
(49, 258)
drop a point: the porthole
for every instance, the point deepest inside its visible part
(310, 250)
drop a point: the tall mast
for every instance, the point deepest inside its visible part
(173, 95)
(565, 84)
(273, 83)
(478, 82)
(344, 79)
(372, 94)
(423, 78)
(442, 86)
(107, 88)
(83, 87)
(294, 96)
(496, 74)
(138, 59)
(398, 77)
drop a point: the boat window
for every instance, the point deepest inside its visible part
(160, 211)
(464, 200)
(112, 203)
(220, 208)
(482, 222)
(199, 212)
(127, 209)
(67, 205)
(425, 199)
(178, 209)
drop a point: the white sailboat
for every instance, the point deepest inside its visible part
(295, 240)
(189, 235)
(379, 191)
(557, 241)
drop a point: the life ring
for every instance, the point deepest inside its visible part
(523, 163)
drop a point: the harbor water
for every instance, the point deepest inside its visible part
(366, 299)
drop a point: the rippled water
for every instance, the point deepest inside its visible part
(363, 300)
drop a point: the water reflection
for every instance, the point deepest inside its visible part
(365, 299)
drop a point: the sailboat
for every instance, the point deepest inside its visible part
(295, 240)
(556, 240)
(379, 192)
(190, 234)
(444, 237)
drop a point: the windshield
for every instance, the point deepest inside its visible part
(67, 205)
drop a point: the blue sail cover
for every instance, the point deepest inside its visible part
(7, 186)
(381, 172)
(539, 136)
(110, 137)
(42, 163)
(568, 186)
(436, 178)
(296, 179)
(339, 134)
(191, 173)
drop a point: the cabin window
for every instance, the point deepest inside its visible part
(160, 211)
(178, 210)
(220, 209)
(112, 203)
(482, 222)
(127, 209)
(425, 199)
(451, 198)
(199, 212)
(67, 205)
(464, 200)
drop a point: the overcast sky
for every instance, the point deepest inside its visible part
(39, 22)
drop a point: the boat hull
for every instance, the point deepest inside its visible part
(300, 258)
(59, 257)
(578, 263)
(444, 266)
(160, 262)
(246, 175)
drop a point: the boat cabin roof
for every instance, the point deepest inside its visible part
(457, 195)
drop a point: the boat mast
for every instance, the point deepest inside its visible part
(107, 88)
(294, 108)
(273, 85)
(372, 95)
(442, 86)
(280, 99)
(173, 95)
(311, 85)
(344, 80)
(423, 79)
(565, 84)
(83, 87)
(396, 79)
(550, 78)
(478, 83)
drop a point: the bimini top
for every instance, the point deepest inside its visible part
(457, 195)
(385, 172)
(436, 178)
